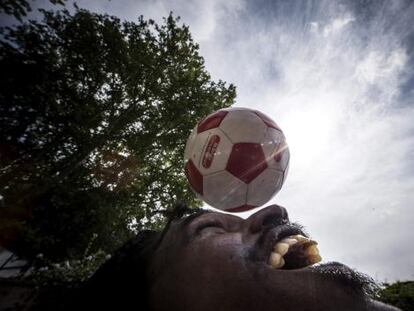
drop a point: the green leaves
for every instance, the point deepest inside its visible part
(95, 114)
(399, 294)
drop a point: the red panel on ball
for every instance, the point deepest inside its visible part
(211, 121)
(194, 177)
(243, 208)
(246, 161)
(268, 121)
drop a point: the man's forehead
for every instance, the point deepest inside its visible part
(179, 223)
(199, 214)
(187, 220)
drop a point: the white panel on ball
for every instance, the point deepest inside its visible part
(236, 109)
(243, 126)
(224, 191)
(285, 173)
(190, 144)
(274, 139)
(211, 151)
(264, 187)
(280, 159)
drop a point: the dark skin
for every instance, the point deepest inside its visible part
(217, 261)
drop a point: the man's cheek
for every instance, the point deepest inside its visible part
(226, 257)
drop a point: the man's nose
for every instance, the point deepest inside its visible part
(271, 216)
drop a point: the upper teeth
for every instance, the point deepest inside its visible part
(281, 248)
(276, 259)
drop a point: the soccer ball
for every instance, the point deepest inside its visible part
(236, 159)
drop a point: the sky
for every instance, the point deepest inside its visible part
(338, 77)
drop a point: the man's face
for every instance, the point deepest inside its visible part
(217, 261)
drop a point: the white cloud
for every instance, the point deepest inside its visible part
(201, 15)
(337, 25)
(377, 65)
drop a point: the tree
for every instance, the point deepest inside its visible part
(19, 8)
(94, 116)
(399, 294)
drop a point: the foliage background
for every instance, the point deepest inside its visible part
(95, 113)
(399, 294)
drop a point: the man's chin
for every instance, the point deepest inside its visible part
(348, 277)
(335, 272)
(328, 286)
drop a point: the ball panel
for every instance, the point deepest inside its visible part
(279, 158)
(243, 126)
(285, 173)
(223, 191)
(246, 161)
(237, 109)
(211, 121)
(273, 141)
(190, 144)
(268, 121)
(264, 187)
(239, 209)
(211, 151)
(194, 177)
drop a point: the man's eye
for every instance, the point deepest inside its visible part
(210, 226)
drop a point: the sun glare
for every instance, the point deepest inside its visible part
(308, 133)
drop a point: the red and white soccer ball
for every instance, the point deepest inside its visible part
(236, 159)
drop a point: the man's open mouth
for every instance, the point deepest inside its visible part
(286, 247)
(294, 252)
